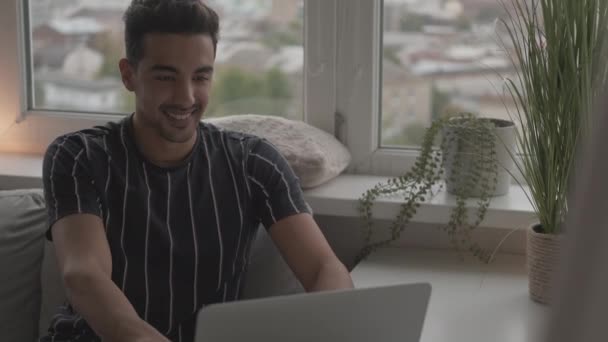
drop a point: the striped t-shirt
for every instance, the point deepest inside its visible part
(180, 236)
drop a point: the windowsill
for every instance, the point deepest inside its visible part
(338, 197)
(19, 171)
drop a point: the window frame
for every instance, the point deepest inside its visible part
(342, 80)
(26, 130)
(359, 90)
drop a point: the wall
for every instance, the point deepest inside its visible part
(346, 238)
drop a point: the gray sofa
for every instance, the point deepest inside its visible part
(30, 286)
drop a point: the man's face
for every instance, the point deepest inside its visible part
(172, 83)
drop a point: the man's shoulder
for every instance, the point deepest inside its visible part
(231, 137)
(90, 140)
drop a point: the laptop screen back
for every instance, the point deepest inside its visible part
(386, 314)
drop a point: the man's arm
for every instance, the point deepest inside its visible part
(85, 264)
(308, 254)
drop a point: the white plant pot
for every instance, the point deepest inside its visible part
(505, 139)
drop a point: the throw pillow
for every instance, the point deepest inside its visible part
(314, 155)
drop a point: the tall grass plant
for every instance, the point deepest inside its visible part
(559, 51)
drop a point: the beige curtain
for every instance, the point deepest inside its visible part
(580, 311)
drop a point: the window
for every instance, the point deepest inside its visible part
(401, 63)
(358, 69)
(76, 45)
(260, 58)
(440, 58)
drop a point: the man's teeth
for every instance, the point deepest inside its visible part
(178, 116)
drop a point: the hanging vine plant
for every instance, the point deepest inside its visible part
(465, 159)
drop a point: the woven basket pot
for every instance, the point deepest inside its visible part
(542, 262)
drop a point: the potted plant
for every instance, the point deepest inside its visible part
(468, 151)
(558, 47)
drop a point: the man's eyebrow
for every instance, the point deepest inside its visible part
(161, 67)
(207, 69)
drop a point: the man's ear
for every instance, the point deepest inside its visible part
(127, 73)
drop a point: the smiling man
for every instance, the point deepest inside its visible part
(152, 217)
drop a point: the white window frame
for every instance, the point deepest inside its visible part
(341, 92)
(358, 94)
(343, 78)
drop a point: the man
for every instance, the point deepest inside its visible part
(152, 217)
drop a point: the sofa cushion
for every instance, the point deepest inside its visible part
(267, 273)
(314, 155)
(22, 226)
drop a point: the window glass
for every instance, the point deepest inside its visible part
(440, 57)
(76, 45)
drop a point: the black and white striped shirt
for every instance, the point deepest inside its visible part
(179, 237)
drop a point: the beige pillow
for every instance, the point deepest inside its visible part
(314, 155)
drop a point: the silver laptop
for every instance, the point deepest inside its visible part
(383, 314)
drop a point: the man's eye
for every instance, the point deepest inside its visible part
(201, 78)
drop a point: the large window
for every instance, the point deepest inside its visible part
(76, 45)
(373, 73)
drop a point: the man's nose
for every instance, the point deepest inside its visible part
(183, 94)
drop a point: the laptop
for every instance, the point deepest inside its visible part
(383, 314)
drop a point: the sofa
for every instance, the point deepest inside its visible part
(31, 288)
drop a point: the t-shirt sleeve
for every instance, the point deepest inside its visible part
(275, 189)
(69, 186)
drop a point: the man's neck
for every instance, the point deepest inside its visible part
(157, 150)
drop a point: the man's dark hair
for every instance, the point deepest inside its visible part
(166, 16)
